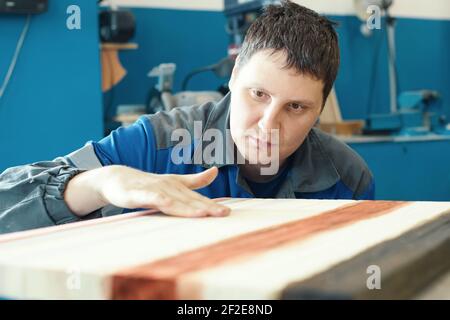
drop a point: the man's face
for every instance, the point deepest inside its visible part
(269, 101)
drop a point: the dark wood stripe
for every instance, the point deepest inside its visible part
(408, 264)
(157, 280)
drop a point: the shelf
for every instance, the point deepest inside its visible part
(119, 46)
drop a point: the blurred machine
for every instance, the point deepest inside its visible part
(116, 25)
(23, 6)
(161, 96)
(419, 113)
(240, 15)
(412, 112)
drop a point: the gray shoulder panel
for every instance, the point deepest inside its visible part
(165, 122)
(84, 158)
(353, 170)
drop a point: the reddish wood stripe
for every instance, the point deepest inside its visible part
(157, 280)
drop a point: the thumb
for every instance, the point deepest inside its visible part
(199, 180)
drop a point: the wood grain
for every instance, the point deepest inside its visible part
(147, 281)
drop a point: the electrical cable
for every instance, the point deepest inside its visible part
(13, 63)
(193, 73)
(373, 74)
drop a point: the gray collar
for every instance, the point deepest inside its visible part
(312, 170)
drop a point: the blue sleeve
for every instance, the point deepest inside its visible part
(369, 193)
(132, 146)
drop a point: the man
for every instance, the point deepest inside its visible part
(279, 85)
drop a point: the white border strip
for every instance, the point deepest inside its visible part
(204, 5)
(435, 9)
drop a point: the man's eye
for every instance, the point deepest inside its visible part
(296, 107)
(258, 94)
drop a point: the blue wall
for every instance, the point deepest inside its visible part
(53, 104)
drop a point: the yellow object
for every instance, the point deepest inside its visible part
(112, 70)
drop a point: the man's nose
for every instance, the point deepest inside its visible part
(270, 119)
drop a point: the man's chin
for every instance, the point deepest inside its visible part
(261, 159)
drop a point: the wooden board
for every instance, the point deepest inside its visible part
(331, 112)
(408, 264)
(266, 249)
(331, 120)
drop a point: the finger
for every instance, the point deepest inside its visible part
(198, 180)
(180, 209)
(194, 199)
(209, 209)
(197, 196)
(221, 199)
(169, 198)
(166, 203)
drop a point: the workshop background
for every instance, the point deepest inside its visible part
(54, 102)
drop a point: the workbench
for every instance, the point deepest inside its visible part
(407, 168)
(265, 249)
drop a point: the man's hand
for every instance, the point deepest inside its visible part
(130, 188)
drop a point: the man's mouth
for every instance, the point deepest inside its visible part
(261, 143)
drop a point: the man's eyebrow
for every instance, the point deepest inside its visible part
(258, 86)
(303, 102)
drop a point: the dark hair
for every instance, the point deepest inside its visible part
(308, 39)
